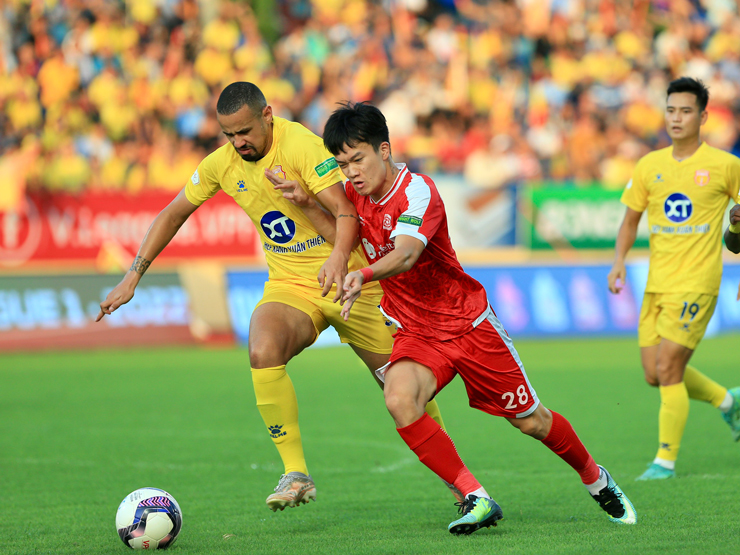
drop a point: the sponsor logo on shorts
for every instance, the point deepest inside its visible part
(326, 166)
(678, 208)
(411, 220)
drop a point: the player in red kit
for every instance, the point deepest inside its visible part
(446, 326)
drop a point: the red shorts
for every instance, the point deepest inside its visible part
(487, 362)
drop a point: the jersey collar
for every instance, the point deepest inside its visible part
(403, 171)
(697, 151)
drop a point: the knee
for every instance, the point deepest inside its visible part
(652, 381)
(264, 354)
(666, 372)
(650, 371)
(402, 407)
(395, 402)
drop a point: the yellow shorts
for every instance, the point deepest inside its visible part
(678, 317)
(366, 328)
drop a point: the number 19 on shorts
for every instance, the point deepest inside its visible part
(692, 309)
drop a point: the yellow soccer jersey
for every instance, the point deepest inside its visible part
(685, 203)
(293, 248)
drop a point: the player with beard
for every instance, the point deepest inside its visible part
(265, 153)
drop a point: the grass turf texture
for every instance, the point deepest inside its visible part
(80, 430)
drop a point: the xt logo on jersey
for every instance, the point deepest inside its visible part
(678, 208)
(242, 187)
(658, 178)
(276, 431)
(278, 227)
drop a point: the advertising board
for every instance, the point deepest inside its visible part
(534, 301)
(40, 312)
(67, 228)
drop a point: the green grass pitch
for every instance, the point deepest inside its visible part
(80, 430)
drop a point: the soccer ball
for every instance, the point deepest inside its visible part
(148, 518)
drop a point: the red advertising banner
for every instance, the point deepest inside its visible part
(60, 227)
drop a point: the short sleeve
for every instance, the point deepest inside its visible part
(635, 194)
(204, 183)
(317, 167)
(424, 214)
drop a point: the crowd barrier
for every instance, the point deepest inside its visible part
(201, 302)
(533, 301)
(59, 311)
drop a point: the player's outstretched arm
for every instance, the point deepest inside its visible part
(401, 259)
(160, 233)
(347, 227)
(617, 277)
(732, 233)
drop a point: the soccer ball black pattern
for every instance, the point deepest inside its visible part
(148, 518)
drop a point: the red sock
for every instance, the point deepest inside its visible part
(435, 450)
(563, 441)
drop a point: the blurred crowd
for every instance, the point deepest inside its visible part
(120, 95)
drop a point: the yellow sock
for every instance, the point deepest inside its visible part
(278, 405)
(702, 388)
(432, 410)
(674, 411)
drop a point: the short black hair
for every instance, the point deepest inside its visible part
(693, 86)
(355, 123)
(236, 95)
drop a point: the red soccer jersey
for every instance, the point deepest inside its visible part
(435, 298)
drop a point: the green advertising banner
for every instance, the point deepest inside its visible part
(569, 217)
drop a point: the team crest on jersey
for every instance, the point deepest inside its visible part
(195, 178)
(387, 223)
(701, 177)
(279, 171)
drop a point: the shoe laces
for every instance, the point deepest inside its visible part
(610, 500)
(284, 481)
(466, 505)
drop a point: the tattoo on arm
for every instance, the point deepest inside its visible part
(140, 265)
(348, 216)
